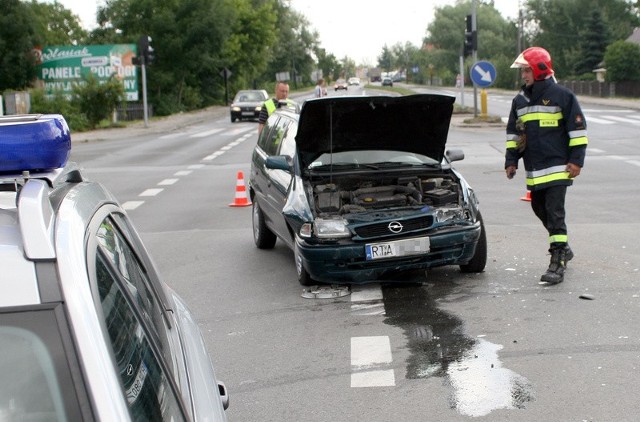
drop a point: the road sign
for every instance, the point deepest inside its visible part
(483, 74)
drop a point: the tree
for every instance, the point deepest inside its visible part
(98, 100)
(56, 25)
(17, 40)
(622, 60)
(386, 60)
(558, 27)
(593, 45)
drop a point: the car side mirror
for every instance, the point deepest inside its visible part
(278, 162)
(224, 395)
(455, 154)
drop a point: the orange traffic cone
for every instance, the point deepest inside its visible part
(241, 199)
(527, 197)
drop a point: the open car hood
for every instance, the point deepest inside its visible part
(412, 123)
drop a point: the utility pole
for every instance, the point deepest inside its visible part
(474, 54)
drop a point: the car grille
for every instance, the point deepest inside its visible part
(381, 229)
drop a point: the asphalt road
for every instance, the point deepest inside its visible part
(495, 346)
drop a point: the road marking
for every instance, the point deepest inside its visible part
(151, 192)
(167, 182)
(622, 119)
(195, 166)
(634, 162)
(132, 205)
(370, 358)
(238, 131)
(213, 156)
(182, 173)
(206, 133)
(172, 135)
(367, 300)
(600, 121)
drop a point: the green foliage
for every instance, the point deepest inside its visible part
(593, 44)
(96, 100)
(17, 39)
(58, 103)
(55, 25)
(560, 26)
(622, 61)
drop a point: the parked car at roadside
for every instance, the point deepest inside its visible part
(361, 189)
(88, 329)
(387, 81)
(247, 104)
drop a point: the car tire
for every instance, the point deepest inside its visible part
(262, 235)
(303, 276)
(233, 119)
(479, 260)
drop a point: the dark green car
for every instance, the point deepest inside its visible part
(361, 189)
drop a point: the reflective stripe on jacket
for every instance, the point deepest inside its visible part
(548, 119)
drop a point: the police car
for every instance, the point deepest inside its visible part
(88, 330)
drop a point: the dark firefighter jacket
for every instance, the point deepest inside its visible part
(546, 122)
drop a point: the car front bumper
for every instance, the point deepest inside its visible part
(347, 264)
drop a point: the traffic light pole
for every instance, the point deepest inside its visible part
(144, 94)
(474, 29)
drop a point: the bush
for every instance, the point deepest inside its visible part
(622, 61)
(96, 100)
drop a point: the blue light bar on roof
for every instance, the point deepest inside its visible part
(33, 142)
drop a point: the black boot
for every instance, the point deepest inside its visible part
(568, 254)
(555, 272)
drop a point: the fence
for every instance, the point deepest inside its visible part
(132, 111)
(627, 89)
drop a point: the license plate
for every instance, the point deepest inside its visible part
(247, 113)
(405, 247)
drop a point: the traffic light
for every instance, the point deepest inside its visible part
(146, 53)
(470, 37)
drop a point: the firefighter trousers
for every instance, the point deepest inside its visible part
(548, 206)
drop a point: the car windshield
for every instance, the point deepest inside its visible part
(249, 97)
(373, 159)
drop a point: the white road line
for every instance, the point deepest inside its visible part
(600, 121)
(238, 131)
(623, 119)
(182, 173)
(370, 360)
(132, 205)
(168, 182)
(212, 156)
(151, 192)
(207, 133)
(596, 150)
(634, 162)
(195, 166)
(366, 293)
(172, 135)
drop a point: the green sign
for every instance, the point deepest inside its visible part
(60, 67)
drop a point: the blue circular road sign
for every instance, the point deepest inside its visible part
(482, 74)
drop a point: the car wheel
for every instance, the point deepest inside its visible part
(264, 238)
(479, 260)
(233, 119)
(303, 276)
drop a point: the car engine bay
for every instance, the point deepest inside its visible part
(355, 194)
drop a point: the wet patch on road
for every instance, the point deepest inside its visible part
(438, 347)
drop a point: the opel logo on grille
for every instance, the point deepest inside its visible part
(395, 227)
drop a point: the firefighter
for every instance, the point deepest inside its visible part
(548, 131)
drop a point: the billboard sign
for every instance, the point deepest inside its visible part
(60, 67)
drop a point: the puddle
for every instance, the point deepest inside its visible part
(438, 347)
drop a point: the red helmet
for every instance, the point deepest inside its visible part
(538, 59)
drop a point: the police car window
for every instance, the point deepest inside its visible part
(112, 242)
(146, 387)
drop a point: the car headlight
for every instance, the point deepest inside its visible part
(235, 108)
(258, 109)
(449, 214)
(326, 229)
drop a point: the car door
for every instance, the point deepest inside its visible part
(271, 185)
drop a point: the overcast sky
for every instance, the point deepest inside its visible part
(355, 28)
